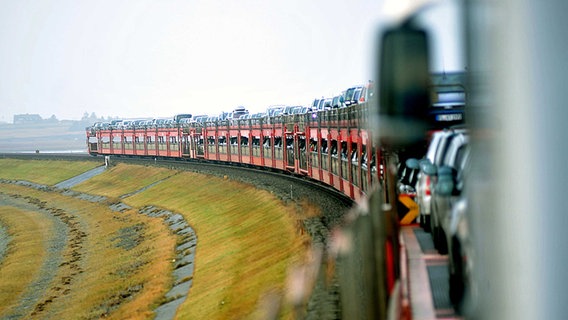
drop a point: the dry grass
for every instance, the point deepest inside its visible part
(47, 172)
(247, 240)
(28, 231)
(107, 271)
(118, 271)
(122, 179)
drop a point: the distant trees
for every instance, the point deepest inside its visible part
(89, 118)
(92, 118)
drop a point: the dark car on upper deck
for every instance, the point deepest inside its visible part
(448, 92)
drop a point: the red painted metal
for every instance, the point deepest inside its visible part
(343, 159)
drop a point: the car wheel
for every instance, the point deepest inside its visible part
(427, 223)
(435, 231)
(442, 241)
(457, 283)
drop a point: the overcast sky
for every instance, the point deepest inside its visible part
(156, 58)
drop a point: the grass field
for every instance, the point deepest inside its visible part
(47, 172)
(247, 242)
(28, 231)
(247, 238)
(93, 271)
(123, 179)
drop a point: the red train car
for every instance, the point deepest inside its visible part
(332, 146)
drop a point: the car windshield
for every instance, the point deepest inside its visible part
(349, 94)
(357, 94)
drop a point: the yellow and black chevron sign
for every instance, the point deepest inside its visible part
(407, 209)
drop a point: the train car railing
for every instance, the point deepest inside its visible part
(325, 145)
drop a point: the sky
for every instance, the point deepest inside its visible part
(158, 58)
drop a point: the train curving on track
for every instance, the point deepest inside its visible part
(333, 146)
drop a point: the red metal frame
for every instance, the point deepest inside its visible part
(340, 167)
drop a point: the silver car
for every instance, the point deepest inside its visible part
(426, 176)
(449, 186)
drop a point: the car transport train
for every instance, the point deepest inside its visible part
(331, 146)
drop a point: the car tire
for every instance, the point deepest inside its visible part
(435, 231)
(442, 241)
(457, 283)
(425, 222)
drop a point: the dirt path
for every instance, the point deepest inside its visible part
(65, 251)
(80, 178)
(4, 240)
(31, 302)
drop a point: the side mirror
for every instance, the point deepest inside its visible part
(445, 186)
(412, 164)
(423, 162)
(447, 171)
(404, 77)
(430, 169)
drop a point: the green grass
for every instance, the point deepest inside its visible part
(247, 241)
(105, 268)
(47, 172)
(28, 231)
(247, 238)
(123, 179)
